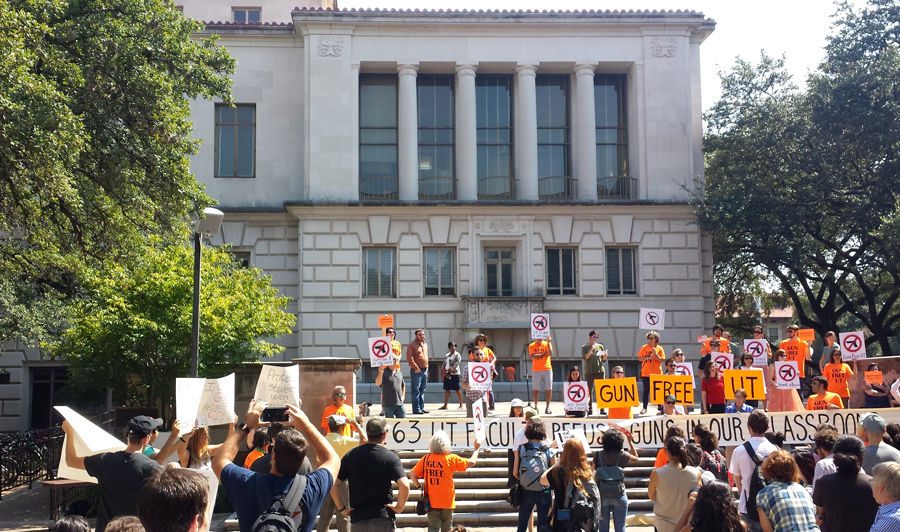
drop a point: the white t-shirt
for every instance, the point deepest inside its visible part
(742, 465)
(824, 467)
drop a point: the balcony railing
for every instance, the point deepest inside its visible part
(379, 188)
(437, 188)
(497, 188)
(556, 188)
(617, 188)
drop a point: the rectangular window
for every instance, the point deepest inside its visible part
(500, 267)
(246, 15)
(772, 334)
(620, 276)
(235, 140)
(241, 257)
(554, 174)
(610, 114)
(379, 272)
(561, 271)
(378, 173)
(494, 123)
(436, 102)
(440, 266)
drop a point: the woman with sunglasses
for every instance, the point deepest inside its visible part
(747, 365)
(838, 374)
(669, 366)
(621, 412)
(781, 400)
(651, 357)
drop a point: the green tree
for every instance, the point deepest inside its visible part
(132, 331)
(803, 186)
(94, 139)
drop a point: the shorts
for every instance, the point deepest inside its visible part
(543, 380)
(451, 383)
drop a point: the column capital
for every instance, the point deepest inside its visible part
(526, 70)
(466, 70)
(585, 69)
(407, 70)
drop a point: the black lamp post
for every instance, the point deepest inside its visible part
(208, 224)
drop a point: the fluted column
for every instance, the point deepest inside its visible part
(585, 134)
(408, 133)
(526, 133)
(466, 149)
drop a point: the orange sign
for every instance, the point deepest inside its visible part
(807, 335)
(385, 321)
(874, 377)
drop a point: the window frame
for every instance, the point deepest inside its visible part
(453, 268)
(621, 143)
(498, 263)
(634, 272)
(246, 10)
(422, 81)
(235, 125)
(561, 290)
(395, 81)
(484, 81)
(365, 279)
(567, 142)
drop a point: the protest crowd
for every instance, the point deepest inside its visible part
(834, 480)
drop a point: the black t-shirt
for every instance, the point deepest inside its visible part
(120, 475)
(370, 469)
(848, 502)
(704, 360)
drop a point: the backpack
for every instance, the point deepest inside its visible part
(279, 516)
(532, 464)
(714, 462)
(582, 507)
(610, 479)
(757, 483)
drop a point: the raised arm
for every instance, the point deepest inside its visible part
(171, 444)
(328, 459)
(72, 458)
(230, 447)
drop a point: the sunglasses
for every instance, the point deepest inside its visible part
(669, 403)
(618, 372)
(340, 395)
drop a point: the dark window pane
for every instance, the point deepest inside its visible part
(493, 112)
(235, 139)
(225, 143)
(628, 271)
(245, 151)
(611, 122)
(491, 270)
(378, 169)
(613, 272)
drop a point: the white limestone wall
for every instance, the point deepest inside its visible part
(270, 10)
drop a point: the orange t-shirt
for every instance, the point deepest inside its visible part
(662, 458)
(620, 413)
(724, 347)
(797, 350)
(344, 410)
(653, 365)
(436, 472)
(838, 376)
(821, 402)
(539, 350)
(252, 456)
(396, 349)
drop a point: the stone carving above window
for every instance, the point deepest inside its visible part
(663, 46)
(331, 46)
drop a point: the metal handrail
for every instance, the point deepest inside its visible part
(617, 188)
(379, 188)
(437, 188)
(497, 188)
(556, 188)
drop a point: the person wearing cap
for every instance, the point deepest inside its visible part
(369, 470)
(252, 493)
(341, 445)
(450, 375)
(121, 474)
(541, 353)
(596, 362)
(797, 350)
(871, 430)
(339, 407)
(150, 450)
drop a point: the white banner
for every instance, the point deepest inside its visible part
(204, 402)
(576, 396)
(278, 385)
(648, 432)
(853, 346)
(757, 348)
(479, 375)
(380, 352)
(478, 419)
(652, 319)
(89, 440)
(787, 377)
(723, 360)
(684, 368)
(540, 326)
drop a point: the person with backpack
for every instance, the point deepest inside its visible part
(534, 458)
(745, 462)
(784, 504)
(670, 485)
(712, 460)
(576, 499)
(610, 477)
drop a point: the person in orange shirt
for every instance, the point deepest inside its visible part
(338, 395)
(436, 470)
(661, 457)
(838, 375)
(623, 412)
(822, 399)
(651, 357)
(797, 350)
(724, 345)
(541, 351)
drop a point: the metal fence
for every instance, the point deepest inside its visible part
(26, 457)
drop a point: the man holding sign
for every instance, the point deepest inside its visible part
(476, 379)
(541, 352)
(393, 391)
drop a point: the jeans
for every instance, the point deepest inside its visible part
(618, 508)
(752, 525)
(529, 500)
(377, 524)
(440, 520)
(645, 393)
(396, 411)
(419, 380)
(328, 509)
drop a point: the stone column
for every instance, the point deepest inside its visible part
(466, 149)
(408, 133)
(526, 133)
(585, 134)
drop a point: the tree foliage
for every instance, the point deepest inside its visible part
(132, 331)
(803, 185)
(94, 137)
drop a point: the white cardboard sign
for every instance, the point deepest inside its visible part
(853, 345)
(652, 319)
(787, 377)
(684, 368)
(757, 348)
(204, 402)
(723, 360)
(478, 417)
(576, 396)
(278, 385)
(566, 434)
(540, 326)
(89, 440)
(380, 352)
(479, 375)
